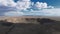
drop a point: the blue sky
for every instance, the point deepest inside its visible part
(55, 3)
(35, 7)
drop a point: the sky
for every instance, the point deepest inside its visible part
(55, 3)
(30, 7)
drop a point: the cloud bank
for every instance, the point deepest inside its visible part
(26, 7)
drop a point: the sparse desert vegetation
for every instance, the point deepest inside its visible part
(30, 26)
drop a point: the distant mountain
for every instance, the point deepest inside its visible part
(31, 19)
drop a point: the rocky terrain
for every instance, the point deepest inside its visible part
(26, 19)
(33, 26)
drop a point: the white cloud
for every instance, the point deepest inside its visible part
(44, 12)
(15, 9)
(23, 5)
(3, 2)
(14, 13)
(9, 3)
(50, 7)
(41, 5)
